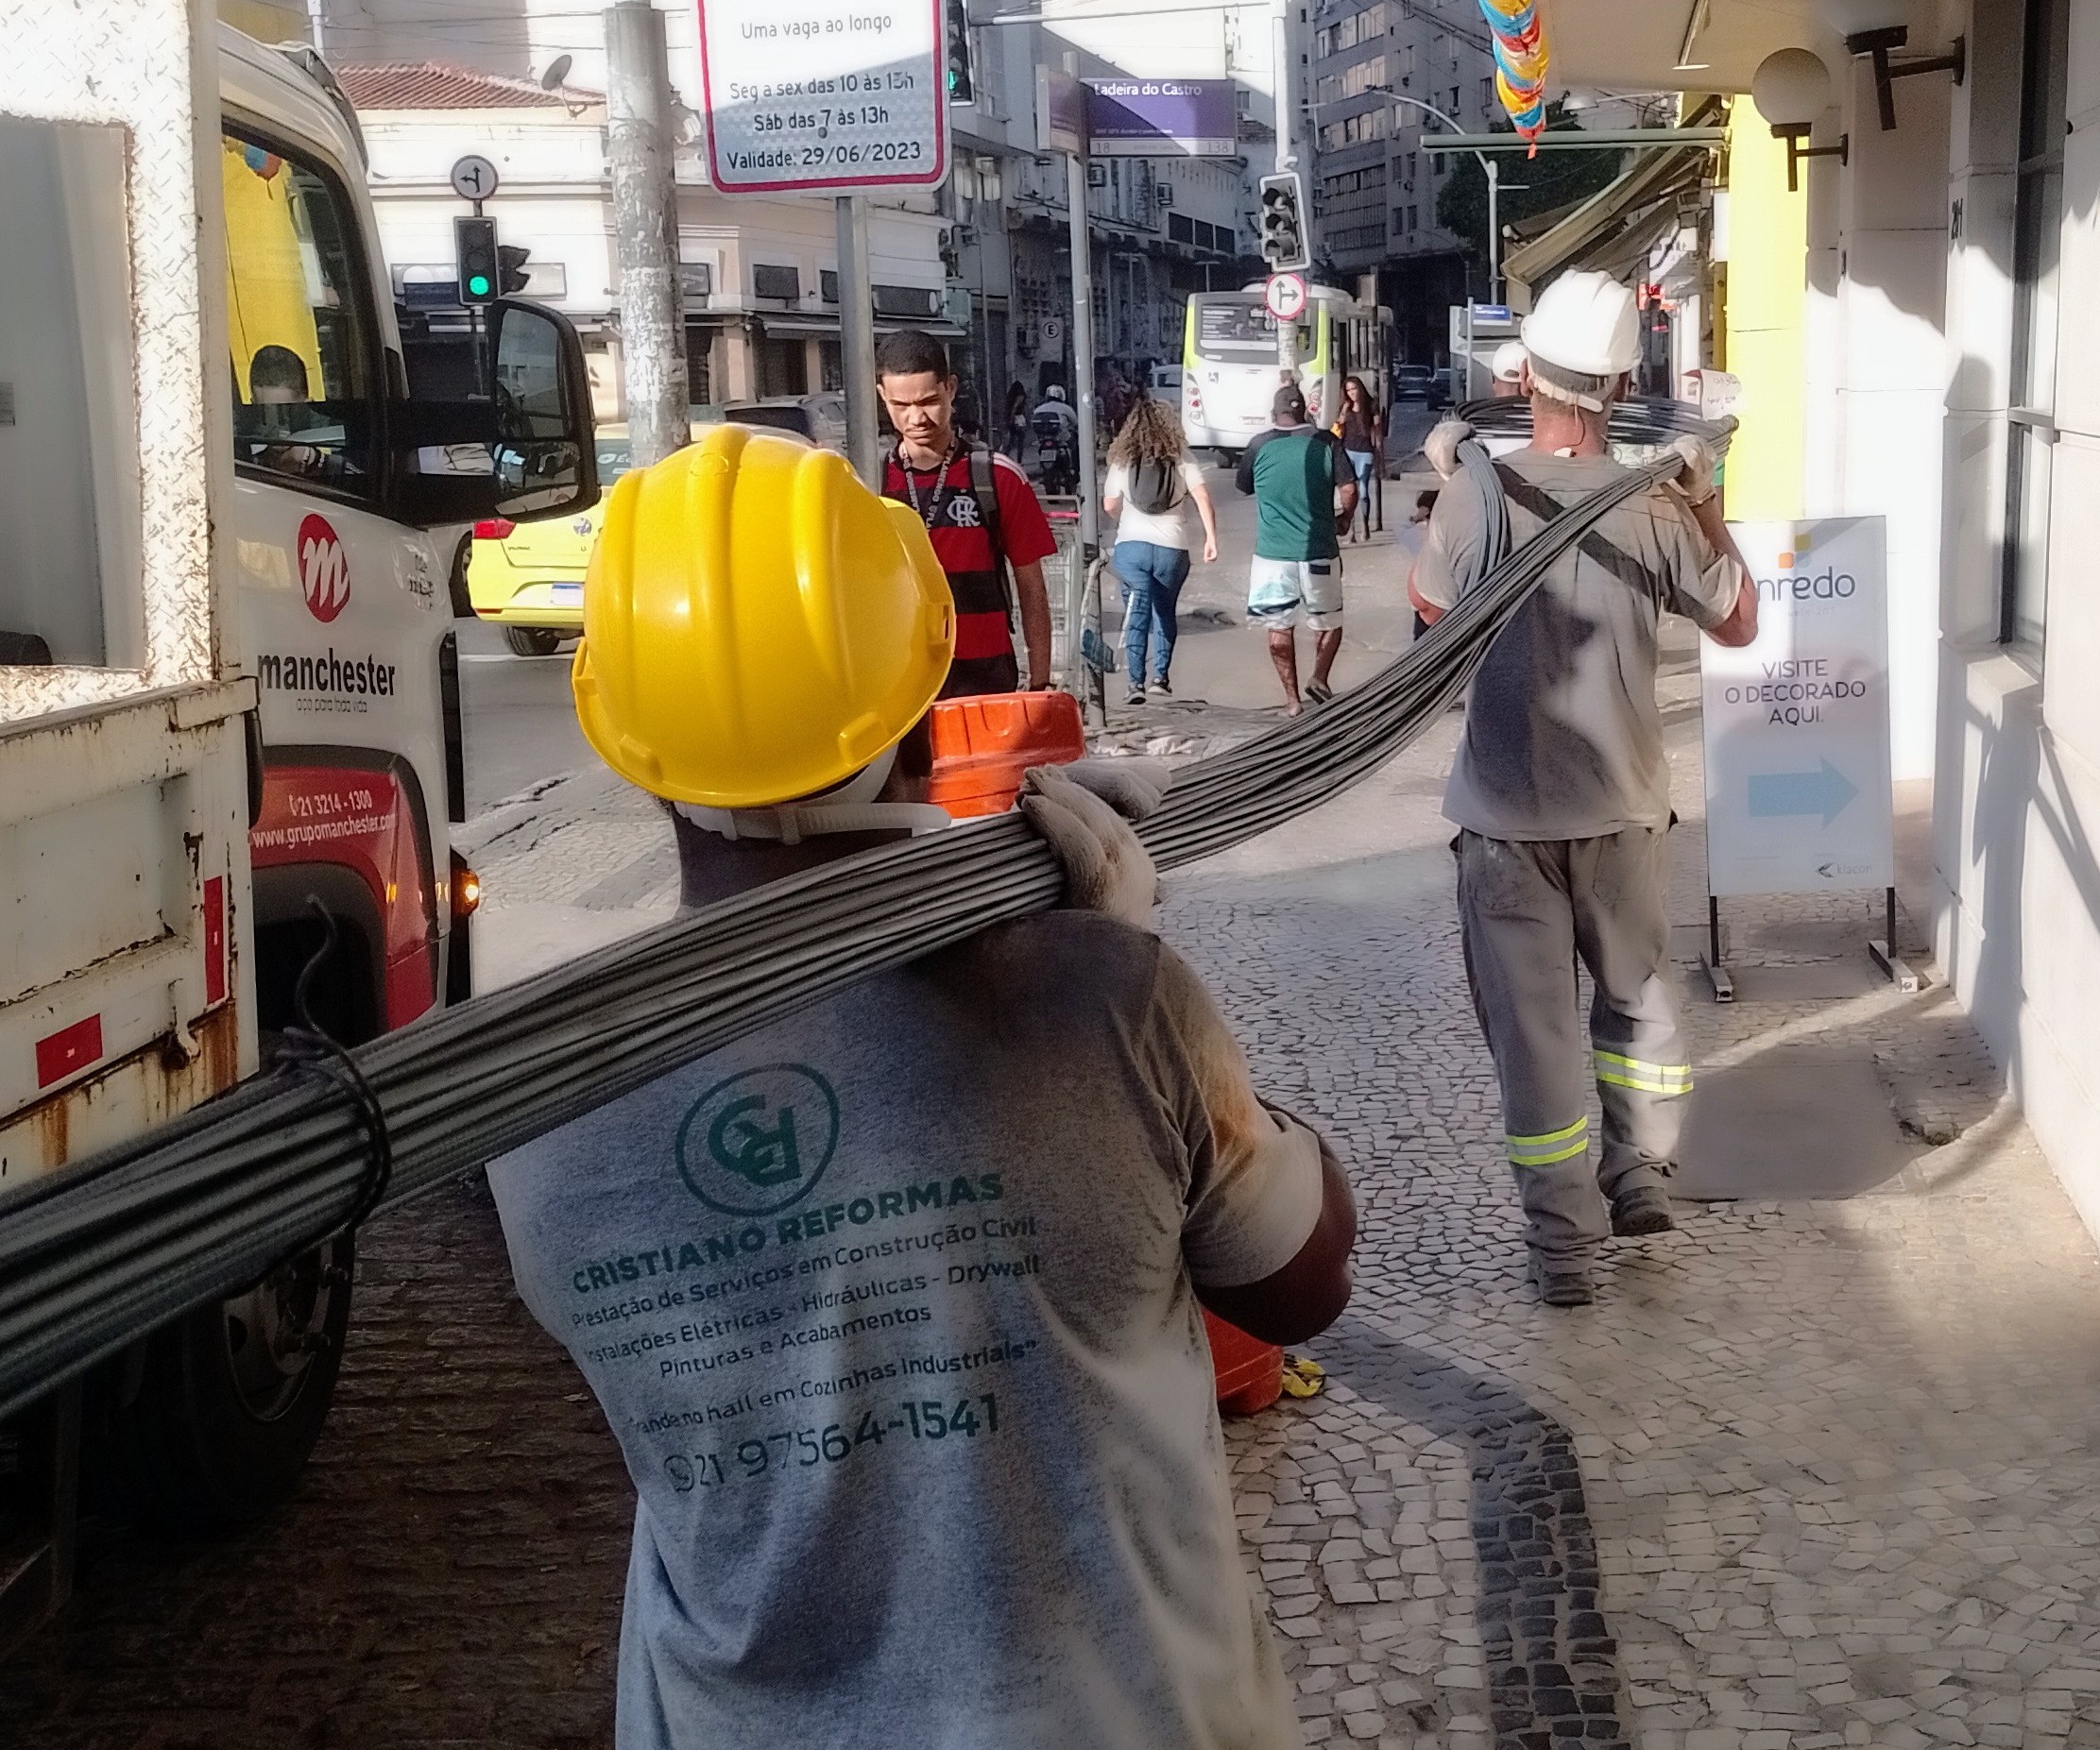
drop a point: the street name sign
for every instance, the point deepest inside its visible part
(1797, 794)
(1285, 297)
(822, 95)
(1162, 118)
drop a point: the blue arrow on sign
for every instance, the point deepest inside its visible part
(1828, 792)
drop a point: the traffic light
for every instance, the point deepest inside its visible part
(480, 264)
(510, 267)
(1282, 223)
(960, 87)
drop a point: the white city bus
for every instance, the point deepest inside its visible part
(1230, 370)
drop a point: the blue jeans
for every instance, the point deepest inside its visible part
(1151, 577)
(1360, 460)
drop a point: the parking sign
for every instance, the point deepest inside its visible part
(823, 94)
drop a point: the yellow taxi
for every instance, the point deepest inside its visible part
(528, 577)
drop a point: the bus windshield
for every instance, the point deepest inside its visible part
(1242, 332)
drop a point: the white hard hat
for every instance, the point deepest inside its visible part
(1509, 359)
(1056, 393)
(1585, 322)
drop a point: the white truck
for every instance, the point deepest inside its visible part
(230, 736)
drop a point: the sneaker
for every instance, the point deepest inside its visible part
(1136, 696)
(1161, 685)
(1562, 1285)
(1642, 1210)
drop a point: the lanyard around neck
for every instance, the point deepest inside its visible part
(929, 512)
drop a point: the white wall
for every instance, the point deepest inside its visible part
(2018, 799)
(1876, 367)
(1895, 380)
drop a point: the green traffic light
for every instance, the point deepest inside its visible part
(478, 285)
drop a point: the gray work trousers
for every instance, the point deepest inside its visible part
(1527, 912)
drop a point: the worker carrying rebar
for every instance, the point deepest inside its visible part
(893, 1305)
(1560, 790)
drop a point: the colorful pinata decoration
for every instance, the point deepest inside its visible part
(1520, 61)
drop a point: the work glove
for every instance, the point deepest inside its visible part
(1695, 478)
(1083, 812)
(1442, 445)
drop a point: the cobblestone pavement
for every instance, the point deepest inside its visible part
(1813, 1472)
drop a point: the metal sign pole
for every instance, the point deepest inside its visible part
(1082, 404)
(1082, 353)
(1286, 160)
(857, 339)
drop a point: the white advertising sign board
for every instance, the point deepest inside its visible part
(817, 95)
(1798, 797)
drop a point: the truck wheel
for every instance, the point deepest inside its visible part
(532, 640)
(231, 1400)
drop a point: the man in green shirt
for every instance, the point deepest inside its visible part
(1304, 492)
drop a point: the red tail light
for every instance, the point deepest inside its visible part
(494, 528)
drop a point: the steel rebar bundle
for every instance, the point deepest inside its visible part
(98, 1255)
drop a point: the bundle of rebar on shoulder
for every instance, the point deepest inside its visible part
(98, 1254)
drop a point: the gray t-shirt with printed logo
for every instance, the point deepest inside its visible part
(1562, 738)
(891, 1308)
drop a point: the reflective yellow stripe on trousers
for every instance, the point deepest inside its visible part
(1554, 1146)
(1624, 1072)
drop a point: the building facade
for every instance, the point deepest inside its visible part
(1376, 175)
(985, 261)
(760, 277)
(1904, 327)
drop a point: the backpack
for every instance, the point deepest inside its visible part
(1156, 486)
(984, 489)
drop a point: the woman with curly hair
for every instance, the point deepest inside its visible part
(1152, 481)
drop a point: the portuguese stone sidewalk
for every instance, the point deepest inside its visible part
(1817, 1470)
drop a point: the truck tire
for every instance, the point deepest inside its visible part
(532, 640)
(226, 1403)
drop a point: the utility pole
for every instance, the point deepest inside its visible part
(857, 339)
(645, 231)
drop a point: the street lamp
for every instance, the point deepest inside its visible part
(1487, 168)
(1791, 88)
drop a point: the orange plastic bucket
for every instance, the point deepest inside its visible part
(983, 743)
(1249, 1372)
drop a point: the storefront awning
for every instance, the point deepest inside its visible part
(1613, 231)
(827, 327)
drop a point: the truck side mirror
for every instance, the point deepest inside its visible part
(526, 449)
(546, 456)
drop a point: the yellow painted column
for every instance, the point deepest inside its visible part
(1767, 262)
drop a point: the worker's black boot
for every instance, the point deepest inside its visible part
(1642, 1210)
(1562, 1285)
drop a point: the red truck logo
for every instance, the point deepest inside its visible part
(323, 569)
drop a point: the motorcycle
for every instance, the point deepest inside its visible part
(1056, 454)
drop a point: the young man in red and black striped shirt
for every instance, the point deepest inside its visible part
(982, 515)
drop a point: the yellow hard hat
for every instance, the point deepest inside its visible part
(758, 624)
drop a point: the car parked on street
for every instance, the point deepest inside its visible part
(818, 418)
(1418, 382)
